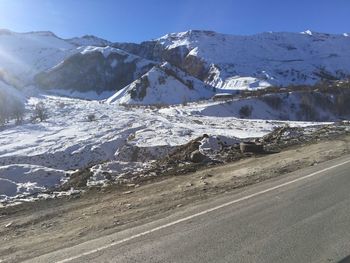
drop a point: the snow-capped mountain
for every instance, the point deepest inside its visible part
(96, 69)
(163, 84)
(241, 62)
(89, 40)
(23, 55)
(112, 139)
(91, 64)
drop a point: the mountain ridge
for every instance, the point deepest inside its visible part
(222, 61)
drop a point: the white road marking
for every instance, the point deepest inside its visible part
(199, 214)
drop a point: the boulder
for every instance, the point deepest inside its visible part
(197, 157)
(251, 147)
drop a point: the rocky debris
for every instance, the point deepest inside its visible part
(251, 147)
(78, 179)
(133, 153)
(283, 137)
(283, 133)
(190, 157)
(198, 157)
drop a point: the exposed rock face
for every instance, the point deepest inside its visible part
(164, 84)
(260, 60)
(94, 71)
(177, 56)
(89, 40)
(219, 60)
(198, 157)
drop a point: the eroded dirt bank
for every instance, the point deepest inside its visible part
(36, 228)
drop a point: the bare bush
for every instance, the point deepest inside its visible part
(307, 108)
(245, 111)
(40, 112)
(91, 117)
(274, 101)
(18, 111)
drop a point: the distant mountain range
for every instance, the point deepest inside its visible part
(184, 66)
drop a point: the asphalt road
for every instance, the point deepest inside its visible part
(302, 217)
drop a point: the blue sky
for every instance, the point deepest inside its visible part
(138, 20)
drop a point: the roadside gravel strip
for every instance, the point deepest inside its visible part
(61, 223)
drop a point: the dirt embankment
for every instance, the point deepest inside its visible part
(32, 229)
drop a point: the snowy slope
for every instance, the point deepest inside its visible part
(222, 61)
(294, 106)
(94, 69)
(38, 156)
(229, 61)
(22, 55)
(163, 84)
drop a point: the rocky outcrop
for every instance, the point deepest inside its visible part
(162, 85)
(94, 71)
(177, 56)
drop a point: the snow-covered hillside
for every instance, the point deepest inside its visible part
(219, 60)
(163, 84)
(182, 69)
(250, 62)
(89, 40)
(98, 69)
(23, 55)
(275, 58)
(39, 156)
(293, 106)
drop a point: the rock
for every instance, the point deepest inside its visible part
(9, 225)
(251, 147)
(78, 179)
(197, 157)
(93, 71)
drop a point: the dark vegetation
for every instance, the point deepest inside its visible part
(40, 112)
(245, 111)
(140, 89)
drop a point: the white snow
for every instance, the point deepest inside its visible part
(89, 95)
(42, 153)
(163, 88)
(106, 51)
(307, 32)
(22, 179)
(22, 55)
(35, 157)
(265, 59)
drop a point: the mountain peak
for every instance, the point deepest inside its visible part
(42, 33)
(307, 32)
(89, 40)
(189, 33)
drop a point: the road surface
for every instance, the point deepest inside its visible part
(302, 217)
